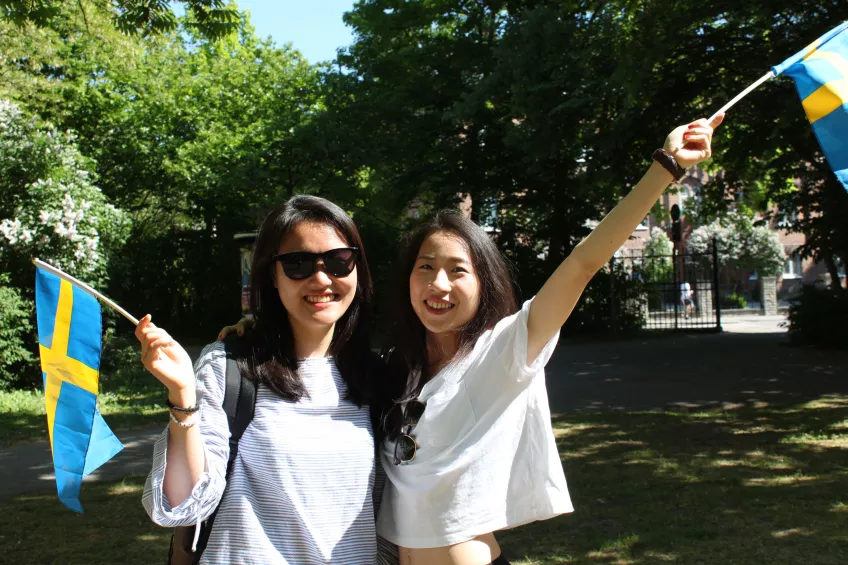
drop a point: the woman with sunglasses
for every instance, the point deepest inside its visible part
(301, 487)
(470, 448)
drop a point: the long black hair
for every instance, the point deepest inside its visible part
(270, 353)
(408, 365)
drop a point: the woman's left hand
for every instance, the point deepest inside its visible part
(692, 144)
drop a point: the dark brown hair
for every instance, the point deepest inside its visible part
(271, 358)
(408, 360)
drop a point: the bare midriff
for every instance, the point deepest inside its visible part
(481, 550)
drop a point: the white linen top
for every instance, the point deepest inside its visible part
(487, 458)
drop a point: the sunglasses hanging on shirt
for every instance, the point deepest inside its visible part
(405, 446)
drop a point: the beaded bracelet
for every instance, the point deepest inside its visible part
(187, 410)
(187, 423)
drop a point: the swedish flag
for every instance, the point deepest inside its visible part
(821, 77)
(69, 326)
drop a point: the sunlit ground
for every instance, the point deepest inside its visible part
(762, 485)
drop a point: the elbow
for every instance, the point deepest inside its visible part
(585, 268)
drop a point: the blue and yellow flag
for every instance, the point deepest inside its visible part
(69, 326)
(821, 77)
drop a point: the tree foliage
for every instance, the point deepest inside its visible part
(211, 18)
(540, 114)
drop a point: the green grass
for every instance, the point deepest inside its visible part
(37, 529)
(22, 412)
(756, 486)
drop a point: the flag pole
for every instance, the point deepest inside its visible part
(78, 283)
(768, 76)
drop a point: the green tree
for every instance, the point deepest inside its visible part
(211, 18)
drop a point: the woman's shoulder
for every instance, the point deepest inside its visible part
(210, 367)
(212, 352)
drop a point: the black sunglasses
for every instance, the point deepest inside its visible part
(405, 446)
(302, 264)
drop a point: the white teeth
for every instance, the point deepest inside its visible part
(322, 298)
(439, 305)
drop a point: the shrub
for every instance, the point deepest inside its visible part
(742, 246)
(817, 317)
(16, 353)
(733, 301)
(600, 311)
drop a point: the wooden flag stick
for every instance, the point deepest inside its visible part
(81, 285)
(768, 76)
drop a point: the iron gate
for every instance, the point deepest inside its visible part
(667, 281)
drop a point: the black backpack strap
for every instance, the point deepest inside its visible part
(239, 405)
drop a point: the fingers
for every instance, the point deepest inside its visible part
(242, 326)
(142, 324)
(153, 335)
(696, 139)
(717, 120)
(227, 330)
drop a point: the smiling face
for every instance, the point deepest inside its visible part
(320, 299)
(443, 286)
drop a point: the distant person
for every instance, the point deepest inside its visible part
(686, 299)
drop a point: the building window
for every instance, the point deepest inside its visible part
(793, 268)
(787, 219)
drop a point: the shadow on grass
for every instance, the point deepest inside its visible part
(755, 486)
(38, 529)
(749, 487)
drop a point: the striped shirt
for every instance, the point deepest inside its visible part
(301, 487)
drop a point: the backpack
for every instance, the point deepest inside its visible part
(239, 405)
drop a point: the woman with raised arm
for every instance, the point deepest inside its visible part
(470, 447)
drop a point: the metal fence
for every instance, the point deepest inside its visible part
(678, 291)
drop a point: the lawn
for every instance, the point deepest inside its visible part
(761, 485)
(23, 416)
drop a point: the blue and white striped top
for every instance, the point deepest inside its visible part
(302, 484)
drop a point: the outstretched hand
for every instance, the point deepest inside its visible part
(692, 143)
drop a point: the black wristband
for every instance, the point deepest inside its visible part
(189, 410)
(669, 163)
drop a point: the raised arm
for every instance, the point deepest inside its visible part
(553, 304)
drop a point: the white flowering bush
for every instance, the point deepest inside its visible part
(657, 265)
(50, 207)
(742, 246)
